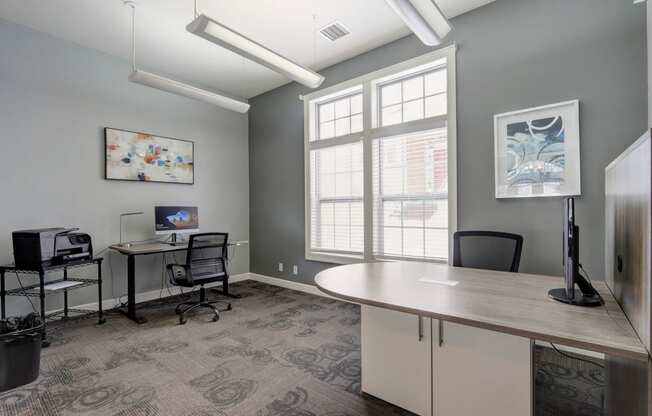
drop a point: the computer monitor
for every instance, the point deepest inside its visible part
(175, 220)
(587, 295)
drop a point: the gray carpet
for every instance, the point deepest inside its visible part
(278, 352)
(566, 386)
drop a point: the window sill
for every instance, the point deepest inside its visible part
(334, 258)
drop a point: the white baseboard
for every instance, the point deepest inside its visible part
(288, 284)
(154, 294)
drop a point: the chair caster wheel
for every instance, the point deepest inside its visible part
(101, 321)
(216, 318)
(228, 307)
(182, 320)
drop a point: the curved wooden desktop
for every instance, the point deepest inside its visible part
(512, 303)
(441, 340)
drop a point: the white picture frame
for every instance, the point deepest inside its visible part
(537, 151)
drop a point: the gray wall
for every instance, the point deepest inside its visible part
(55, 98)
(512, 54)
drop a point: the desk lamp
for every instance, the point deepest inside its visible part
(127, 214)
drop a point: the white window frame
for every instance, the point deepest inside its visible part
(370, 105)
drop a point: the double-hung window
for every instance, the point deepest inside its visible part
(380, 164)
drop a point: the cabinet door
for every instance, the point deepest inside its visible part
(480, 372)
(396, 361)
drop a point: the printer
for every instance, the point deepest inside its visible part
(51, 246)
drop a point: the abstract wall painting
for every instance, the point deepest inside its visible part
(537, 151)
(133, 156)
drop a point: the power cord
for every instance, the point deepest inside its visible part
(604, 304)
(164, 281)
(22, 288)
(576, 358)
(588, 277)
(229, 258)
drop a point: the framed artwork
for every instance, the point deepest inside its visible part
(133, 156)
(537, 151)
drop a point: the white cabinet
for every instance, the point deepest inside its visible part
(396, 358)
(480, 372)
(462, 371)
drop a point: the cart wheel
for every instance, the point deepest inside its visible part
(216, 318)
(101, 321)
(228, 307)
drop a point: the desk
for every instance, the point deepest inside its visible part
(475, 316)
(144, 249)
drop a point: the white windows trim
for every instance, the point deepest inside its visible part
(368, 85)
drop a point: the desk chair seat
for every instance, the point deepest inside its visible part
(489, 250)
(205, 263)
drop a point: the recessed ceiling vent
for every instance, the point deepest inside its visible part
(334, 31)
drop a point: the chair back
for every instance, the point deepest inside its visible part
(489, 250)
(207, 255)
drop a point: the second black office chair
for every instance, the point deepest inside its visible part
(490, 250)
(205, 263)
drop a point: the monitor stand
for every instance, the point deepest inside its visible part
(579, 298)
(585, 296)
(173, 240)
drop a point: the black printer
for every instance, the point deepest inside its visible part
(51, 245)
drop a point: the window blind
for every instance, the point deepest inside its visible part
(336, 204)
(410, 196)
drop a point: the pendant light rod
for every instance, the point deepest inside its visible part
(132, 5)
(173, 86)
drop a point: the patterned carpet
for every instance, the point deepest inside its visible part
(278, 352)
(566, 386)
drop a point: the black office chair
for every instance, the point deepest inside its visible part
(205, 263)
(490, 250)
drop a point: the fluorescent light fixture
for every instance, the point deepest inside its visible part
(207, 28)
(179, 88)
(424, 18)
(175, 87)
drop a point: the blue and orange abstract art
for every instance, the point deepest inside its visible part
(147, 158)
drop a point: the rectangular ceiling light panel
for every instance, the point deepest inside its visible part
(424, 18)
(176, 87)
(207, 28)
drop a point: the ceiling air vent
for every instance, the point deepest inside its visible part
(334, 31)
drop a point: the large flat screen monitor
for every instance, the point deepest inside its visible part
(587, 295)
(174, 220)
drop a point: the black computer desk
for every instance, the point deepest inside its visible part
(144, 249)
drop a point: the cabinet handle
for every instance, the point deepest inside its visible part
(441, 332)
(420, 328)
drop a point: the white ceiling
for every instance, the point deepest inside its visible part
(164, 46)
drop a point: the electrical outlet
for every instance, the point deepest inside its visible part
(295, 270)
(280, 267)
